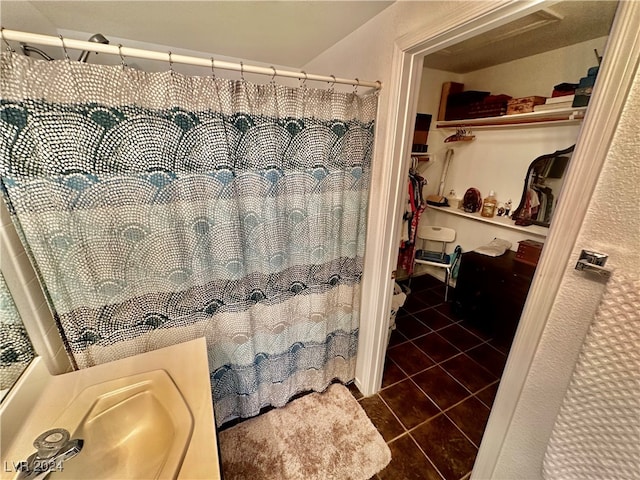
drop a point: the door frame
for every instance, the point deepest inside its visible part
(615, 78)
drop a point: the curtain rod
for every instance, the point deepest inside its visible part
(64, 43)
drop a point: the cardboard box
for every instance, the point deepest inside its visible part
(421, 132)
(524, 104)
(583, 95)
(460, 104)
(448, 88)
(529, 252)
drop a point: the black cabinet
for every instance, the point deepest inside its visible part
(491, 292)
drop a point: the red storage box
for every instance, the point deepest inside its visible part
(523, 105)
(529, 252)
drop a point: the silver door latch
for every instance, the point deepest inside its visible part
(593, 262)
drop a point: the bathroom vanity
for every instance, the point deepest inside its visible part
(491, 292)
(146, 416)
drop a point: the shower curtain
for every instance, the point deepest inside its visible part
(158, 208)
(16, 351)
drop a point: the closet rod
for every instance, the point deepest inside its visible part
(26, 37)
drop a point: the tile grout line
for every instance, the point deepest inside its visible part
(425, 454)
(490, 385)
(463, 433)
(396, 417)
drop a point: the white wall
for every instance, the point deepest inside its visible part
(498, 160)
(430, 90)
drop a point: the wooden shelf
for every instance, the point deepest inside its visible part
(560, 115)
(503, 222)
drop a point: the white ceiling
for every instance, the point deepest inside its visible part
(287, 33)
(292, 33)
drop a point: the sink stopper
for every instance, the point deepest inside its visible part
(49, 443)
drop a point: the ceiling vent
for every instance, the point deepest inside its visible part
(531, 22)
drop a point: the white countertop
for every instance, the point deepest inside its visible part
(186, 364)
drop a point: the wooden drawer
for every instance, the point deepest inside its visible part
(491, 292)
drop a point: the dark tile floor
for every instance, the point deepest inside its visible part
(440, 379)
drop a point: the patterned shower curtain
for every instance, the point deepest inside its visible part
(16, 351)
(158, 208)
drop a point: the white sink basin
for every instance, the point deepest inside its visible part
(149, 416)
(134, 427)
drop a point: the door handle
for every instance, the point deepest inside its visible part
(593, 262)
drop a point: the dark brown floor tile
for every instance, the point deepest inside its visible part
(380, 415)
(471, 417)
(409, 358)
(392, 373)
(408, 462)
(459, 337)
(489, 358)
(414, 304)
(432, 297)
(440, 387)
(423, 282)
(354, 390)
(503, 347)
(433, 319)
(409, 404)
(447, 309)
(436, 347)
(396, 338)
(488, 395)
(476, 329)
(448, 449)
(468, 372)
(410, 327)
(440, 290)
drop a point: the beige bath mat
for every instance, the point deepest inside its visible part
(319, 436)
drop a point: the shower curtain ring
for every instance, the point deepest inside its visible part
(332, 84)
(9, 47)
(304, 82)
(273, 77)
(355, 90)
(242, 71)
(170, 62)
(213, 70)
(66, 54)
(121, 56)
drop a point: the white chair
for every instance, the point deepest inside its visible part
(435, 258)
